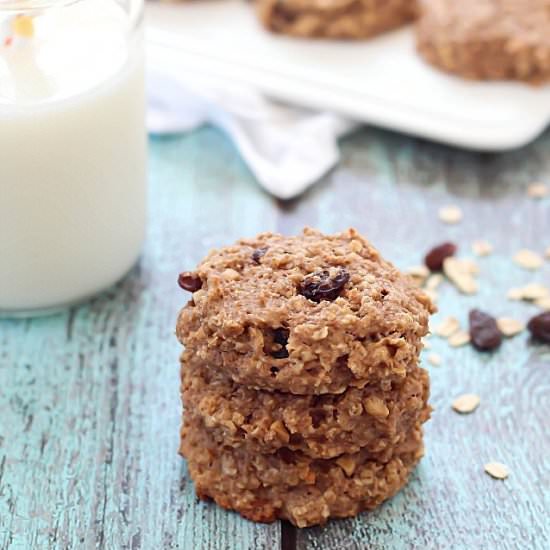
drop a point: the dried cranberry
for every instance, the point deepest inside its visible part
(276, 343)
(484, 332)
(321, 286)
(435, 257)
(258, 254)
(539, 327)
(189, 281)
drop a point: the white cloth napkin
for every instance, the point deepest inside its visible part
(286, 148)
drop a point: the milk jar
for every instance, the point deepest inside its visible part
(72, 149)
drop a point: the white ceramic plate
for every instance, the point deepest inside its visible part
(381, 81)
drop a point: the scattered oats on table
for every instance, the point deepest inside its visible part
(466, 403)
(510, 327)
(497, 470)
(528, 259)
(482, 248)
(450, 214)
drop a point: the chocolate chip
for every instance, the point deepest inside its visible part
(484, 332)
(321, 286)
(539, 327)
(189, 281)
(258, 254)
(435, 257)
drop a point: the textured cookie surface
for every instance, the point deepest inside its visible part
(487, 39)
(320, 426)
(290, 485)
(309, 314)
(349, 19)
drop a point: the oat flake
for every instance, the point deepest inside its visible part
(460, 273)
(482, 248)
(447, 327)
(434, 359)
(497, 470)
(434, 281)
(543, 303)
(509, 327)
(528, 259)
(459, 339)
(450, 214)
(538, 190)
(466, 403)
(532, 291)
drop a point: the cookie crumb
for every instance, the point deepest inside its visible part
(528, 259)
(509, 327)
(538, 190)
(466, 403)
(460, 273)
(482, 248)
(459, 339)
(497, 470)
(434, 359)
(447, 327)
(450, 214)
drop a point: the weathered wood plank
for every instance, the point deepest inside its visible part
(89, 405)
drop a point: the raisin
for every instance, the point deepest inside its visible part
(286, 455)
(321, 286)
(539, 327)
(276, 342)
(258, 254)
(484, 332)
(189, 281)
(435, 257)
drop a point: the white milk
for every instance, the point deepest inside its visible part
(72, 157)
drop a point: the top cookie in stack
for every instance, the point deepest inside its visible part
(306, 315)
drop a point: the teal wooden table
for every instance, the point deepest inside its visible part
(89, 404)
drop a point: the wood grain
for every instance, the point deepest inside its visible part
(89, 405)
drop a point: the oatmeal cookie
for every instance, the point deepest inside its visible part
(487, 39)
(348, 19)
(309, 314)
(320, 426)
(290, 485)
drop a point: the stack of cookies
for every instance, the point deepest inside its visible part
(300, 380)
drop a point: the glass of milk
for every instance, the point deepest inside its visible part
(72, 149)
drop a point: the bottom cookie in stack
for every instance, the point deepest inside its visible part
(305, 458)
(289, 484)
